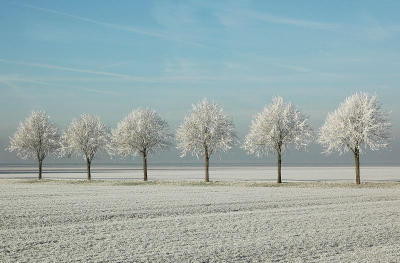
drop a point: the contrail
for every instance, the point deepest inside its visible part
(118, 27)
(74, 70)
(58, 85)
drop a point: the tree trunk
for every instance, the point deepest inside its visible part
(144, 167)
(279, 168)
(357, 163)
(207, 163)
(40, 169)
(89, 176)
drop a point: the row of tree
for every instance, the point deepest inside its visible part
(359, 123)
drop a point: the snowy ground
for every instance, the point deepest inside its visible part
(231, 173)
(163, 221)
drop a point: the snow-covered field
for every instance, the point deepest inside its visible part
(217, 173)
(187, 221)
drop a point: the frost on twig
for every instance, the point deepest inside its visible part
(277, 127)
(37, 138)
(143, 132)
(206, 130)
(359, 123)
(85, 137)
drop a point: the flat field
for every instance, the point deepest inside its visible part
(193, 173)
(186, 221)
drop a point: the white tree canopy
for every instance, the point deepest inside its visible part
(277, 127)
(36, 138)
(206, 130)
(141, 132)
(85, 137)
(358, 123)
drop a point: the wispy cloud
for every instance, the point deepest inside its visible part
(109, 25)
(106, 92)
(118, 27)
(126, 63)
(117, 64)
(78, 70)
(177, 78)
(273, 63)
(18, 79)
(311, 71)
(230, 16)
(180, 71)
(289, 21)
(10, 85)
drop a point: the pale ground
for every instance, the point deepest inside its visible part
(188, 221)
(250, 173)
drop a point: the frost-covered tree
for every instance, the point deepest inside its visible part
(142, 132)
(85, 137)
(359, 123)
(206, 130)
(277, 127)
(37, 138)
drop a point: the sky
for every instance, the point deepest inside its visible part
(107, 58)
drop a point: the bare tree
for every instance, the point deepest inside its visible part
(359, 123)
(141, 132)
(37, 138)
(85, 137)
(277, 127)
(204, 131)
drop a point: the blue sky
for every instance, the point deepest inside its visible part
(108, 58)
